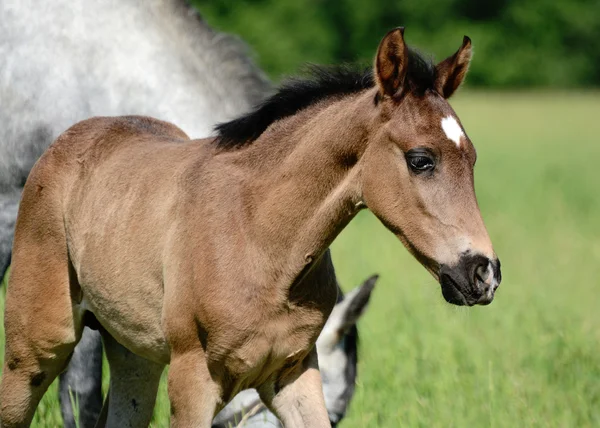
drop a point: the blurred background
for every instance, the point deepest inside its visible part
(531, 106)
(518, 44)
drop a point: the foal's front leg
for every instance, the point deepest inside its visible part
(195, 397)
(297, 398)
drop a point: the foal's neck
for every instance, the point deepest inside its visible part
(306, 176)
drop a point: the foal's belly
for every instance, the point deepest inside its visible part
(131, 313)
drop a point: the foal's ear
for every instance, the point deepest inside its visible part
(355, 303)
(451, 72)
(391, 63)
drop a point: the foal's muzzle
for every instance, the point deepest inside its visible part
(473, 281)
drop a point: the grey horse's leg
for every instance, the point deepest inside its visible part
(81, 384)
(4, 264)
(133, 386)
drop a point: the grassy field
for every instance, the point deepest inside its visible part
(532, 358)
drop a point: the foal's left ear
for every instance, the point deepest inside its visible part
(391, 63)
(451, 72)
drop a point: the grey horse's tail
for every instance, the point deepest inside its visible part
(4, 264)
(9, 205)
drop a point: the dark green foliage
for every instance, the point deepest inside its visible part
(543, 43)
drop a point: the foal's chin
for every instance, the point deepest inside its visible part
(459, 295)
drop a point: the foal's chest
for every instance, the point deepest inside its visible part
(258, 354)
(257, 345)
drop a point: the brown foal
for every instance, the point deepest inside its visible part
(211, 255)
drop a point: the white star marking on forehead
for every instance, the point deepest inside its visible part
(452, 129)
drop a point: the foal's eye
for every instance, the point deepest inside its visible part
(419, 161)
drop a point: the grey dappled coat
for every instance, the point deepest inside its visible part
(67, 60)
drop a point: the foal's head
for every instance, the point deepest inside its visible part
(418, 170)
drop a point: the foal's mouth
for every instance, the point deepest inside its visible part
(454, 294)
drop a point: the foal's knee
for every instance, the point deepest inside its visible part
(23, 370)
(26, 375)
(20, 389)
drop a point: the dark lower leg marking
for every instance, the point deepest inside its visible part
(13, 364)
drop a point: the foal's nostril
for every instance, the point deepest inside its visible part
(497, 273)
(481, 272)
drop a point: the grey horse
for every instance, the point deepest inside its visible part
(64, 61)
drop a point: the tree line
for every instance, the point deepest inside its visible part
(517, 43)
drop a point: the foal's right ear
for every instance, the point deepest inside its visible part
(391, 63)
(452, 71)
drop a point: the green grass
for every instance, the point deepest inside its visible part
(532, 358)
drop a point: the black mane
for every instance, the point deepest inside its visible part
(299, 93)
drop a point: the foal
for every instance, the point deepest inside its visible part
(211, 256)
